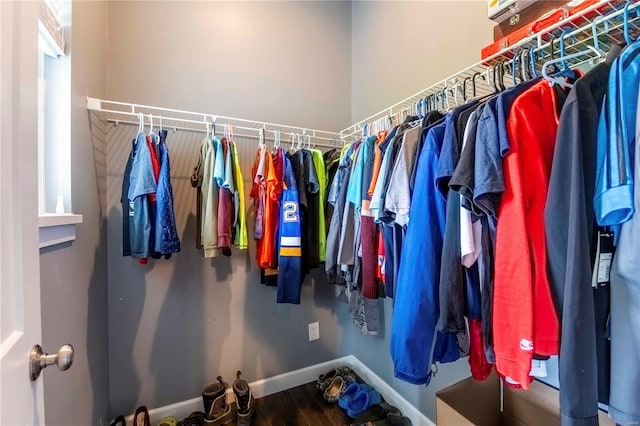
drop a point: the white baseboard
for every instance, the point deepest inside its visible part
(281, 382)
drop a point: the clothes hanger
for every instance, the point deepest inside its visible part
(140, 123)
(150, 124)
(559, 79)
(206, 124)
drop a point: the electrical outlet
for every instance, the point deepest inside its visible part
(314, 331)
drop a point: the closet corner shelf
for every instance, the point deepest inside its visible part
(55, 229)
(175, 119)
(602, 19)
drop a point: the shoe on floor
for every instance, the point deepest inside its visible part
(324, 380)
(194, 419)
(168, 421)
(364, 399)
(244, 400)
(376, 412)
(338, 386)
(350, 392)
(217, 411)
(118, 421)
(141, 418)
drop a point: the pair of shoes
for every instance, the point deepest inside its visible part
(216, 409)
(194, 419)
(357, 398)
(219, 412)
(324, 380)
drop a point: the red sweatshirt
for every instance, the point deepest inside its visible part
(524, 317)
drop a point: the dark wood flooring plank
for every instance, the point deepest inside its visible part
(300, 406)
(332, 411)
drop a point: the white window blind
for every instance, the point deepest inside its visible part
(52, 19)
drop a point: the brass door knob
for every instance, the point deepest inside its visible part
(39, 360)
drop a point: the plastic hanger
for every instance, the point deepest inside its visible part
(560, 80)
(140, 122)
(206, 124)
(150, 124)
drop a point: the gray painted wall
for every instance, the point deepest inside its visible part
(74, 277)
(176, 324)
(281, 62)
(444, 47)
(420, 44)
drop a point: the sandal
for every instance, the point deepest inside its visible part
(337, 387)
(141, 418)
(324, 380)
(364, 399)
(194, 419)
(168, 421)
(118, 421)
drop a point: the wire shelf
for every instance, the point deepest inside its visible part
(122, 112)
(603, 19)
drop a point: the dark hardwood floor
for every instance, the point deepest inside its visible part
(300, 406)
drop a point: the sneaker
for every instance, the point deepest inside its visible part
(216, 409)
(324, 380)
(244, 400)
(194, 419)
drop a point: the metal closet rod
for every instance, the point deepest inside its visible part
(580, 22)
(133, 110)
(283, 140)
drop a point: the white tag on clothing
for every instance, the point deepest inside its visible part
(604, 267)
(538, 368)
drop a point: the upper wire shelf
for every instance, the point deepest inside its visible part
(118, 112)
(604, 19)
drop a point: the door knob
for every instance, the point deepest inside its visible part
(38, 360)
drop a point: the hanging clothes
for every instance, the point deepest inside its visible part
(142, 185)
(570, 228)
(240, 220)
(616, 204)
(166, 237)
(290, 240)
(524, 311)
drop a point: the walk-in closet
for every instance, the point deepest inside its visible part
(319, 212)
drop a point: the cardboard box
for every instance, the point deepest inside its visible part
(471, 402)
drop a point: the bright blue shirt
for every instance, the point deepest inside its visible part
(354, 191)
(613, 199)
(415, 342)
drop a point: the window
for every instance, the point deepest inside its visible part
(54, 124)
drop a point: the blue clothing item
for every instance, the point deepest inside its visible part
(218, 165)
(415, 342)
(290, 239)
(124, 199)
(141, 212)
(503, 107)
(451, 147)
(336, 184)
(492, 143)
(354, 193)
(166, 240)
(142, 181)
(376, 206)
(613, 199)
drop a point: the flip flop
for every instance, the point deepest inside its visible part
(168, 421)
(141, 418)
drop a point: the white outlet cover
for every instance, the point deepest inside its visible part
(314, 331)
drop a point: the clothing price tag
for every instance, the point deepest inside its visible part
(604, 257)
(538, 368)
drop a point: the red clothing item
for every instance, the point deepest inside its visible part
(480, 367)
(524, 317)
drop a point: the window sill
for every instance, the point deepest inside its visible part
(57, 228)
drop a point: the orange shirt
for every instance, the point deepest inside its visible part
(377, 161)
